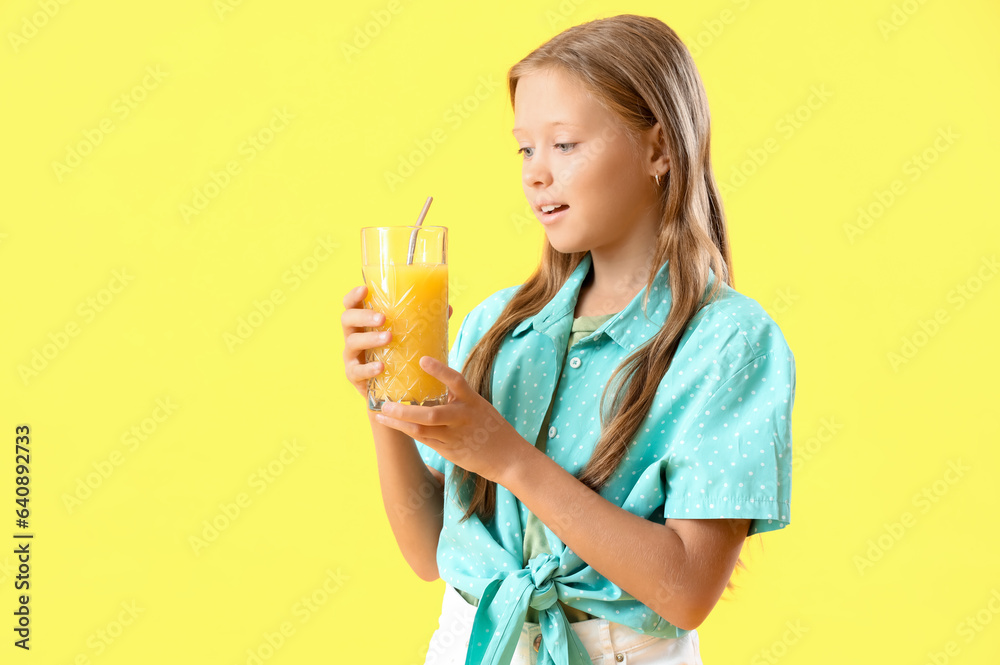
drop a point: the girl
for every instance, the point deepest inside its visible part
(620, 423)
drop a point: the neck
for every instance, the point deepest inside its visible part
(611, 285)
(617, 273)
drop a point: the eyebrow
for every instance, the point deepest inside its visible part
(555, 123)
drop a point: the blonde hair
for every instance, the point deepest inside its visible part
(638, 68)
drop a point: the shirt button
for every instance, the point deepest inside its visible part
(574, 362)
(619, 657)
(552, 432)
(538, 642)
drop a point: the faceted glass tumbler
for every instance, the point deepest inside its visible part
(406, 271)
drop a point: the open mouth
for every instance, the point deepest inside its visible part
(553, 209)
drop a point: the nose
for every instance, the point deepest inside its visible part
(535, 172)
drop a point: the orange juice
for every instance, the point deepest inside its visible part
(414, 299)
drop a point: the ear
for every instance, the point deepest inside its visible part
(655, 150)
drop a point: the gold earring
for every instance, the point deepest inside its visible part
(657, 176)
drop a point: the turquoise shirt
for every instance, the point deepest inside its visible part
(535, 541)
(717, 444)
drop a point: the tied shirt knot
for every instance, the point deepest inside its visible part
(501, 614)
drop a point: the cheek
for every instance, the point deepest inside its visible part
(627, 177)
(582, 171)
(608, 173)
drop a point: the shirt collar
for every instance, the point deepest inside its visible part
(629, 328)
(563, 303)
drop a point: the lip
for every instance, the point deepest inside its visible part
(551, 217)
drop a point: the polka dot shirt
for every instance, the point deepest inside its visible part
(716, 443)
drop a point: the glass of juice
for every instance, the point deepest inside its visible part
(406, 271)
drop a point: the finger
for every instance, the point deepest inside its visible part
(429, 416)
(358, 368)
(454, 380)
(362, 341)
(421, 433)
(355, 296)
(364, 371)
(361, 318)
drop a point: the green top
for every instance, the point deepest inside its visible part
(534, 531)
(716, 443)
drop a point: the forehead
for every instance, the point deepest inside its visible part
(550, 98)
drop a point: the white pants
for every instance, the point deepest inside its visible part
(607, 643)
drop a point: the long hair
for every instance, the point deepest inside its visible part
(638, 68)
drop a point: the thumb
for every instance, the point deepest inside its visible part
(453, 379)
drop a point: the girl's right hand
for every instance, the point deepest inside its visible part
(355, 318)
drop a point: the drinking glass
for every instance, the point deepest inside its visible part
(406, 271)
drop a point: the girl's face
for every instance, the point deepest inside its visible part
(577, 156)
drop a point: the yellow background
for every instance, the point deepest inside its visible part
(872, 435)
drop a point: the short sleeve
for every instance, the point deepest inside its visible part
(734, 460)
(430, 456)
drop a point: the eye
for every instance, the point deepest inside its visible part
(568, 145)
(524, 151)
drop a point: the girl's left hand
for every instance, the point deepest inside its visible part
(468, 430)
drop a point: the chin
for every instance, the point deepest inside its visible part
(564, 247)
(569, 243)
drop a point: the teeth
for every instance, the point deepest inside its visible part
(549, 208)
